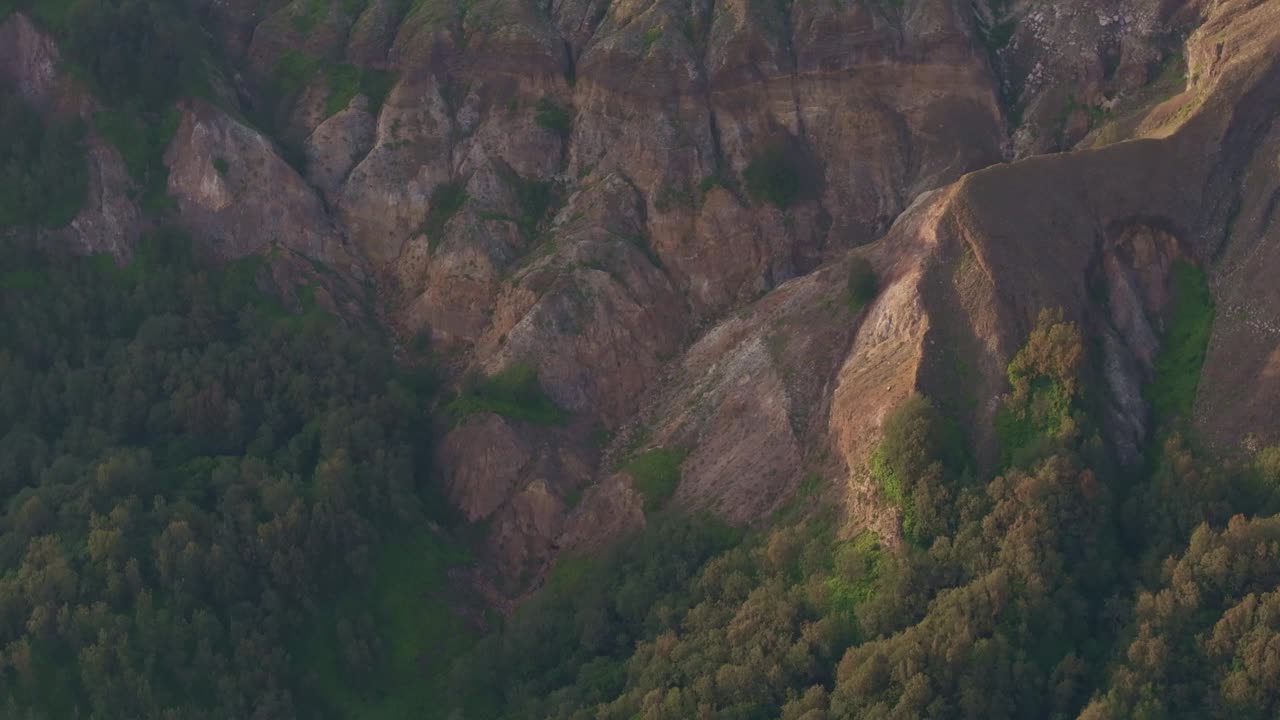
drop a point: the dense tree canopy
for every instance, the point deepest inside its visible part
(190, 474)
(42, 166)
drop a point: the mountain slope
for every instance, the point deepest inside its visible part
(629, 233)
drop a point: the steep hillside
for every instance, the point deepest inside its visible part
(679, 257)
(601, 194)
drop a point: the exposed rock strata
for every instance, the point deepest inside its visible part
(605, 234)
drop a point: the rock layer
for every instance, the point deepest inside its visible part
(593, 190)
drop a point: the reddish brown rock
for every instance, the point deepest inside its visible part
(239, 197)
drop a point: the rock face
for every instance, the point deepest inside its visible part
(568, 188)
(657, 205)
(1063, 66)
(29, 63)
(337, 145)
(110, 221)
(239, 197)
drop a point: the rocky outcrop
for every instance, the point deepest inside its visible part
(1064, 67)
(29, 62)
(386, 197)
(792, 387)
(337, 145)
(593, 190)
(238, 197)
(110, 222)
(595, 316)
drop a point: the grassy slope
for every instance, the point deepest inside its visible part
(656, 474)
(1177, 371)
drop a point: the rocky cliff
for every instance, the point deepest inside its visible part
(657, 207)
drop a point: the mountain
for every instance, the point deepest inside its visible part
(722, 257)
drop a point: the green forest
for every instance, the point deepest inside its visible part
(194, 479)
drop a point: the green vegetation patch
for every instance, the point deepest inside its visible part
(446, 200)
(919, 455)
(392, 660)
(862, 285)
(651, 36)
(1026, 432)
(573, 572)
(806, 494)
(889, 478)
(775, 176)
(535, 198)
(354, 8)
(857, 568)
(24, 279)
(42, 167)
(554, 118)
(1041, 414)
(344, 85)
(52, 15)
(307, 14)
(141, 140)
(346, 81)
(571, 646)
(514, 392)
(1186, 339)
(656, 475)
(292, 72)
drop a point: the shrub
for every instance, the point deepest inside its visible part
(346, 81)
(535, 198)
(377, 85)
(514, 392)
(292, 71)
(651, 36)
(914, 436)
(446, 200)
(554, 118)
(344, 85)
(775, 176)
(1046, 377)
(857, 567)
(1268, 464)
(862, 285)
(918, 453)
(656, 474)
